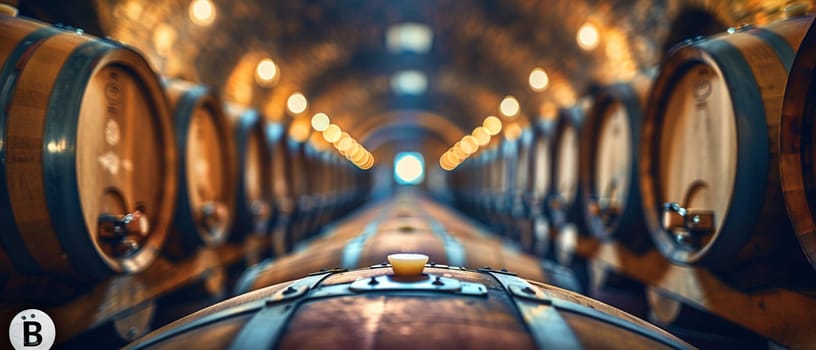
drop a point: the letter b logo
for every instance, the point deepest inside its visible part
(32, 329)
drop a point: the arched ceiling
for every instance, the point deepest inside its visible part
(335, 51)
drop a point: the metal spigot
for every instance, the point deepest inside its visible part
(687, 225)
(124, 231)
(213, 216)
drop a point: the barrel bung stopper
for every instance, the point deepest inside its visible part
(408, 264)
(8, 10)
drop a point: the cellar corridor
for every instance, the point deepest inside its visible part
(408, 174)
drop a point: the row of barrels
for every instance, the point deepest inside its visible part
(699, 160)
(105, 166)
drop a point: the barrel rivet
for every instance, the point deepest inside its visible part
(373, 281)
(528, 290)
(438, 281)
(289, 290)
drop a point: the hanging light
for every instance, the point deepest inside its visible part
(202, 12)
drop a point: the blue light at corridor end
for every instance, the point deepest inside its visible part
(409, 168)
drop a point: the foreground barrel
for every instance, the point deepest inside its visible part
(205, 203)
(709, 170)
(253, 206)
(88, 181)
(444, 307)
(608, 175)
(797, 139)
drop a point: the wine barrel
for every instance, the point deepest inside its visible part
(282, 203)
(538, 239)
(207, 172)
(709, 166)
(253, 200)
(295, 229)
(608, 170)
(88, 175)
(509, 149)
(395, 228)
(796, 146)
(564, 200)
(439, 307)
(524, 179)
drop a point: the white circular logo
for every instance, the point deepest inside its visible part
(32, 329)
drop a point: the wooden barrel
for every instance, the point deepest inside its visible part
(509, 167)
(564, 200)
(299, 186)
(253, 193)
(520, 211)
(537, 239)
(797, 138)
(608, 175)
(281, 171)
(88, 178)
(207, 172)
(386, 229)
(443, 307)
(709, 165)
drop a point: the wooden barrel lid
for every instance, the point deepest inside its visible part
(541, 158)
(609, 176)
(120, 167)
(254, 192)
(207, 169)
(698, 144)
(708, 171)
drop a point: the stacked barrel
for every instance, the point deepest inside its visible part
(106, 167)
(698, 161)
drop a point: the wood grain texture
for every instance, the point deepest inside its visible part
(751, 243)
(781, 315)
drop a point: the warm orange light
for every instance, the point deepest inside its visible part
(299, 130)
(297, 103)
(539, 80)
(332, 133)
(588, 36)
(509, 107)
(202, 12)
(344, 143)
(459, 152)
(481, 136)
(320, 121)
(512, 132)
(493, 125)
(266, 73)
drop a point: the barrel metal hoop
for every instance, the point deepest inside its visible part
(11, 242)
(264, 329)
(59, 168)
(548, 329)
(538, 321)
(223, 314)
(784, 52)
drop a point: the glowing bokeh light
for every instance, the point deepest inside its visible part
(539, 80)
(297, 103)
(409, 168)
(202, 12)
(588, 36)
